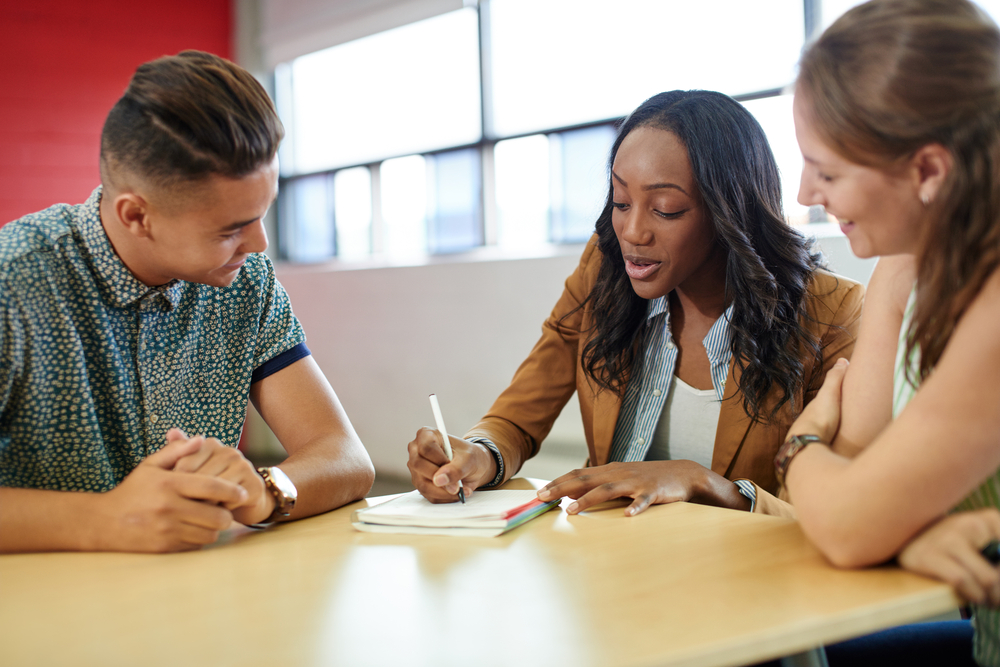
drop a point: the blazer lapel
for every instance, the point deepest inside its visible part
(607, 405)
(734, 425)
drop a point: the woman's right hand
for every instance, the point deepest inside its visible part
(951, 550)
(436, 478)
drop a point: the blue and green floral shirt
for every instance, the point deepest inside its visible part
(95, 366)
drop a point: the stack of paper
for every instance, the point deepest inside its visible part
(485, 514)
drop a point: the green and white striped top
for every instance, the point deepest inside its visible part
(985, 621)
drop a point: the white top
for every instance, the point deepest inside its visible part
(687, 425)
(650, 382)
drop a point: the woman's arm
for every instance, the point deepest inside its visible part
(867, 393)
(942, 447)
(524, 413)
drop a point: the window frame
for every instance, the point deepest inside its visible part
(812, 16)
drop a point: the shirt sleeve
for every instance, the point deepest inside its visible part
(840, 335)
(279, 330)
(283, 360)
(768, 503)
(524, 413)
(747, 490)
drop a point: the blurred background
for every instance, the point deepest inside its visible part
(444, 162)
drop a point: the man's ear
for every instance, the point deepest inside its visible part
(132, 212)
(931, 165)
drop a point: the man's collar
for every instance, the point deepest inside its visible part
(120, 287)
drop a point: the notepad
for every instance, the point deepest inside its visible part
(485, 514)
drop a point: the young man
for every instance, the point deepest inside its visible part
(147, 314)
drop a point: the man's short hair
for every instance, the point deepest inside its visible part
(186, 117)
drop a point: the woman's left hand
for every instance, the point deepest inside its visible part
(950, 550)
(822, 416)
(647, 483)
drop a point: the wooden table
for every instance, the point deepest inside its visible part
(677, 585)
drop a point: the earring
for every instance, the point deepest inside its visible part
(925, 199)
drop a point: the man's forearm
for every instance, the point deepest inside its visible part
(327, 462)
(327, 473)
(36, 520)
(154, 509)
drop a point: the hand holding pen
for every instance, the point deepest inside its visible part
(439, 422)
(436, 476)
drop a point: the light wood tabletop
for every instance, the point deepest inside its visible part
(679, 584)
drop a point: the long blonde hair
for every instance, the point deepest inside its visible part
(891, 76)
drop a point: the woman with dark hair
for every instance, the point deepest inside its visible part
(695, 328)
(897, 112)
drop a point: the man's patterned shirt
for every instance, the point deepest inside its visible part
(95, 366)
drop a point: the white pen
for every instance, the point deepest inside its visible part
(439, 420)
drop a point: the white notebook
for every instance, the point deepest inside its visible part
(485, 514)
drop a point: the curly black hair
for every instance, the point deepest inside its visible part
(768, 268)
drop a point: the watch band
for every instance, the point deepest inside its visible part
(792, 446)
(283, 490)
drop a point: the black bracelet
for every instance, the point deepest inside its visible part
(497, 458)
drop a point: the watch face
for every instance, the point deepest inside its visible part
(783, 454)
(283, 484)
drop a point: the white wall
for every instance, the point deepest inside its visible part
(387, 337)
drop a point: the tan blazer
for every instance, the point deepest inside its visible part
(524, 413)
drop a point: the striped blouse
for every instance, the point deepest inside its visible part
(650, 382)
(649, 387)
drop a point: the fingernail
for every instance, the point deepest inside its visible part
(573, 507)
(440, 480)
(629, 511)
(544, 494)
(842, 362)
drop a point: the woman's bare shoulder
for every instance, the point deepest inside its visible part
(983, 313)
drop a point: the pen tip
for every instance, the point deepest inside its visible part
(461, 495)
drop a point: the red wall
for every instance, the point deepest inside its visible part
(63, 64)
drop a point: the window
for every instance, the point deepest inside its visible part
(492, 124)
(578, 168)
(454, 222)
(775, 116)
(305, 212)
(352, 205)
(522, 191)
(407, 90)
(601, 60)
(404, 205)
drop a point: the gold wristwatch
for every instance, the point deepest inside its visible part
(284, 492)
(792, 446)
